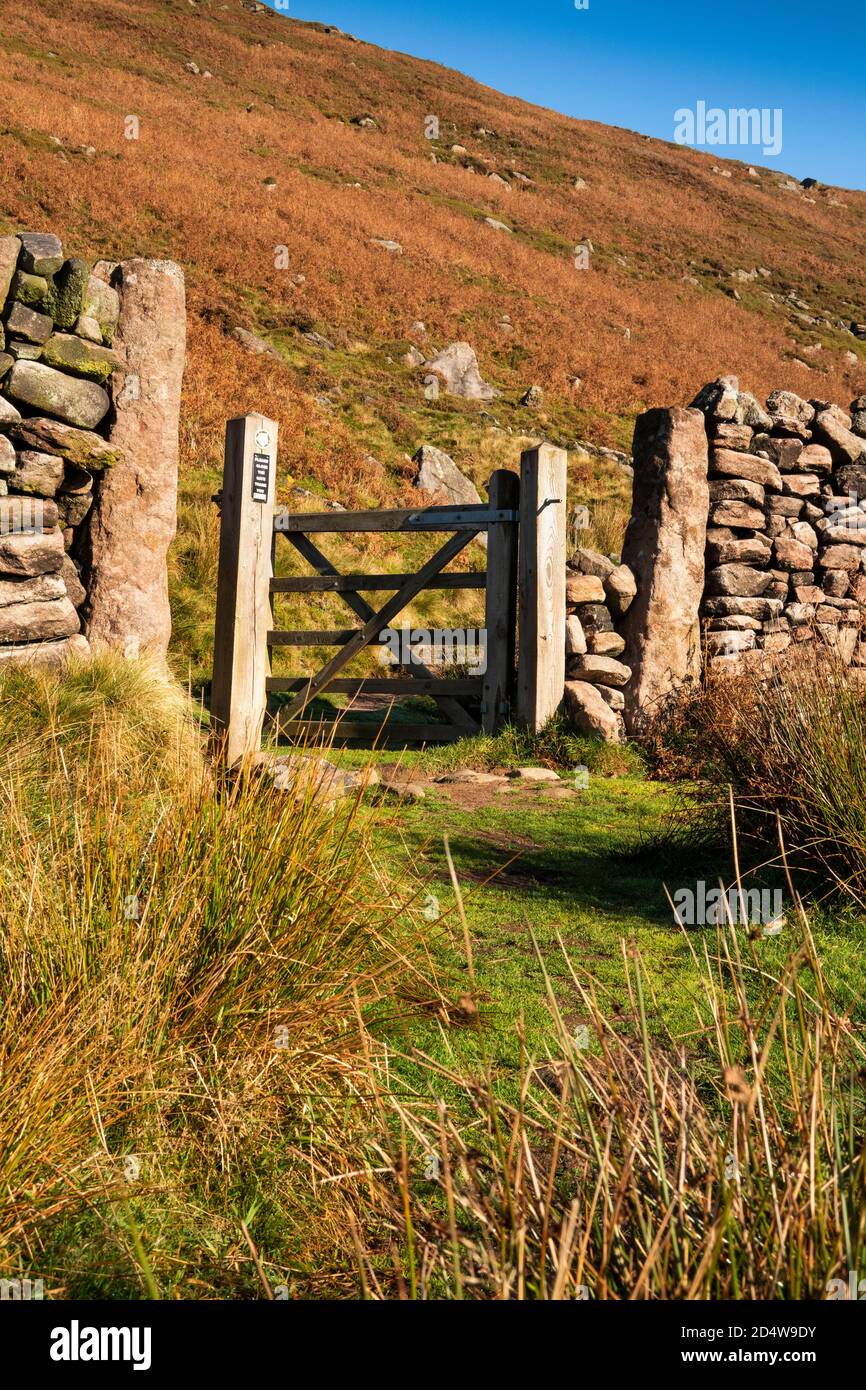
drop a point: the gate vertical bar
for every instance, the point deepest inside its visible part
(541, 658)
(501, 603)
(243, 607)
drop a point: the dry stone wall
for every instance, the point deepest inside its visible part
(786, 534)
(64, 397)
(747, 539)
(598, 593)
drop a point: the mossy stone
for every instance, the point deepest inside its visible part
(28, 289)
(42, 387)
(81, 358)
(80, 447)
(41, 252)
(101, 303)
(66, 292)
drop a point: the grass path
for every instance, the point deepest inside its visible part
(538, 867)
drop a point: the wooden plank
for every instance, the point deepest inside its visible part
(370, 583)
(470, 518)
(541, 666)
(311, 553)
(243, 610)
(382, 685)
(501, 603)
(324, 637)
(444, 555)
(295, 729)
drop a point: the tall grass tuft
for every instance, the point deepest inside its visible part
(184, 972)
(793, 745)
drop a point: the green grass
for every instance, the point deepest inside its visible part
(587, 873)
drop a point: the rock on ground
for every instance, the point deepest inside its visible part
(438, 474)
(457, 366)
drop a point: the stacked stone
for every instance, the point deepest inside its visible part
(597, 593)
(55, 363)
(786, 534)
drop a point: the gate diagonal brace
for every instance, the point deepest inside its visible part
(374, 624)
(320, 562)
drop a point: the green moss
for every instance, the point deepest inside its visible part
(70, 354)
(66, 292)
(28, 289)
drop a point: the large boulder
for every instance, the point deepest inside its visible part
(8, 414)
(101, 302)
(664, 549)
(575, 638)
(718, 400)
(728, 463)
(620, 589)
(457, 366)
(738, 580)
(590, 562)
(81, 447)
(438, 474)
(38, 589)
(41, 253)
(71, 354)
(790, 413)
(583, 588)
(135, 517)
(37, 473)
(598, 670)
(844, 446)
(64, 296)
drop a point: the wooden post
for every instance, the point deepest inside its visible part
(243, 608)
(501, 603)
(541, 658)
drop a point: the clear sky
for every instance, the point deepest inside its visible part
(634, 63)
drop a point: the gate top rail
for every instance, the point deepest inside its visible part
(476, 517)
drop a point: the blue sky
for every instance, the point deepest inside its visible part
(634, 63)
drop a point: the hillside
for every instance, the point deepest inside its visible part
(256, 133)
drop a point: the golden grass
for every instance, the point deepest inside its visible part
(184, 975)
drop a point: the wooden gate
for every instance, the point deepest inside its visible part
(531, 507)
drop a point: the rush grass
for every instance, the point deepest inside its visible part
(184, 970)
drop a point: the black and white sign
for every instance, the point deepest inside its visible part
(261, 477)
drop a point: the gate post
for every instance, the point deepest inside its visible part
(501, 603)
(541, 655)
(243, 606)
